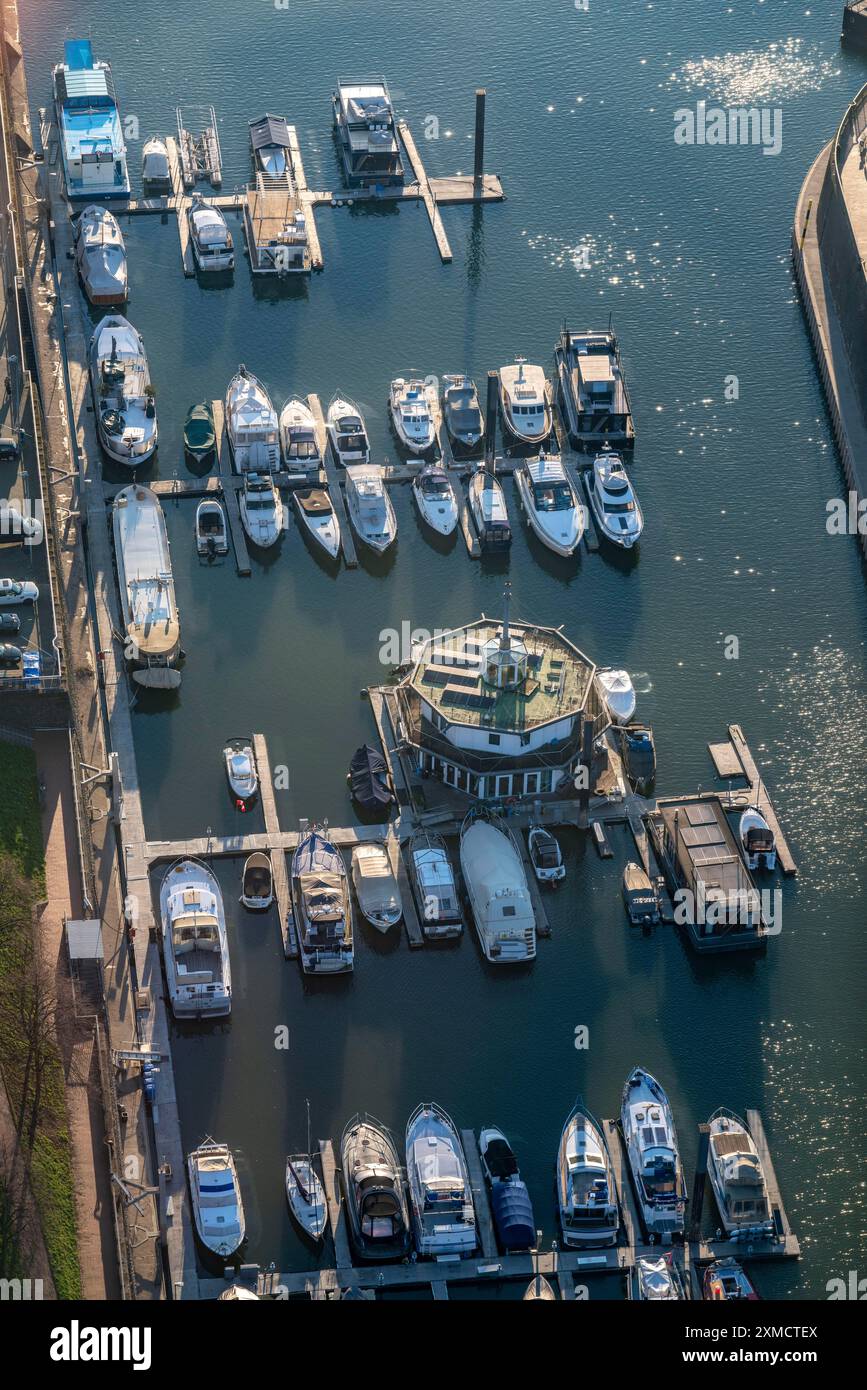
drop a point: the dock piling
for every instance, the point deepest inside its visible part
(479, 160)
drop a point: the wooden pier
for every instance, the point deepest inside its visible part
(414, 933)
(543, 926)
(468, 529)
(187, 261)
(427, 193)
(307, 199)
(758, 796)
(336, 1209)
(278, 855)
(230, 491)
(332, 476)
(481, 1199)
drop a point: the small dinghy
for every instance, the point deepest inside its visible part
(726, 1280)
(435, 499)
(489, 511)
(657, 1279)
(298, 436)
(369, 779)
(200, 436)
(376, 886)
(347, 432)
(212, 535)
(305, 1193)
(540, 1288)
(156, 171)
(319, 519)
(257, 891)
(218, 1210)
(510, 1200)
(545, 855)
(462, 413)
(640, 896)
(241, 771)
(100, 256)
(619, 694)
(757, 840)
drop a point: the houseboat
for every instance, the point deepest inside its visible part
(92, 145)
(148, 607)
(591, 390)
(364, 128)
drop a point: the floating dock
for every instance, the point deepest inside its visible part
(230, 491)
(277, 855)
(332, 477)
(427, 193)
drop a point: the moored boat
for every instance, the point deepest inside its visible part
(462, 413)
(298, 436)
(347, 432)
(369, 779)
(411, 415)
(218, 1209)
(370, 508)
(539, 1288)
(545, 855)
(100, 256)
(640, 896)
(376, 886)
(489, 511)
(757, 840)
(497, 889)
(251, 425)
(263, 512)
(210, 238)
(657, 1279)
(586, 1185)
(156, 171)
(726, 1280)
(440, 1192)
(654, 1157)
(510, 1201)
(592, 390)
(319, 519)
(433, 882)
(435, 498)
(550, 503)
(126, 416)
(322, 906)
(257, 887)
(200, 435)
(737, 1177)
(241, 773)
(304, 1191)
(376, 1207)
(195, 942)
(147, 588)
(615, 505)
(270, 143)
(525, 404)
(619, 694)
(639, 755)
(212, 535)
(92, 145)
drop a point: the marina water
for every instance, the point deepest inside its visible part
(687, 247)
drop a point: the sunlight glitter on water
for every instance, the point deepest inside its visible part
(758, 76)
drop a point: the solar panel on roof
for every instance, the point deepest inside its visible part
(700, 813)
(703, 835)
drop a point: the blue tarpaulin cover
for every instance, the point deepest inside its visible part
(513, 1215)
(78, 54)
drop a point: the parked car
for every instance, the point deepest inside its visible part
(18, 591)
(10, 622)
(9, 655)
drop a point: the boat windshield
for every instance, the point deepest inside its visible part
(552, 497)
(619, 508)
(659, 1172)
(434, 486)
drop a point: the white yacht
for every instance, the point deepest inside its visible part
(435, 498)
(619, 694)
(376, 886)
(550, 503)
(156, 171)
(347, 432)
(212, 534)
(489, 511)
(100, 256)
(462, 413)
(263, 512)
(298, 436)
(322, 906)
(218, 1210)
(251, 424)
(614, 502)
(195, 943)
(737, 1177)
(440, 1192)
(654, 1158)
(525, 403)
(319, 519)
(411, 414)
(369, 506)
(545, 855)
(242, 774)
(210, 238)
(757, 840)
(148, 606)
(586, 1185)
(498, 891)
(433, 882)
(126, 415)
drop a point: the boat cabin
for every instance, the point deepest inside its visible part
(365, 130)
(92, 141)
(715, 898)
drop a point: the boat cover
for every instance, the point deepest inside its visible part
(513, 1215)
(199, 428)
(368, 776)
(316, 502)
(269, 130)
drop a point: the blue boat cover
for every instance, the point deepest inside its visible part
(513, 1215)
(78, 54)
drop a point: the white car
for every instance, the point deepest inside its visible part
(14, 524)
(18, 591)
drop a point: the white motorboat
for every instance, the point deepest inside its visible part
(17, 591)
(123, 396)
(100, 256)
(264, 515)
(586, 1185)
(498, 891)
(550, 503)
(525, 403)
(298, 436)
(489, 511)
(218, 1209)
(614, 503)
(433, 882)
(537, 1288)
(369, 506)
(412, 415)
(737, 1177)
(322, 906)
(462, 413)
(156, 171)
(148, 605)
(376, 886)
(545, 855)
(641, 896)
(212, 533)
(319, 519)
(251, 424)
(241, 771)
(619, 694)
(304, 1191)
(440, 1192)
(435, 498)
(195, 942)
(654, 1157)
(210, 238)
(347, 432)
(657, 1279)
(257, 885)
(376, 1207)
(757, 840)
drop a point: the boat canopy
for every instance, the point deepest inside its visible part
(316, 502)
(199, 427)
(269, 130)
(513, 1215)
(368, 776)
